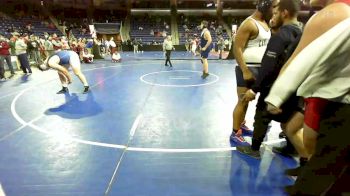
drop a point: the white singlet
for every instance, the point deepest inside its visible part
(255, 49)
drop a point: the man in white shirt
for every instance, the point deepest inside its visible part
(21, 51)
(116, 58)
(107, 50)
(112, 45)
(167, 48)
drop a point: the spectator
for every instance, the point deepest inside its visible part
(112, 45)
(57, 45)
(64, 43)
(89, 45)
(221, 46)
(116, 57)
(107, 45)
(21, 50)
(49, 50)
(87, 57)
(140, 45)
(136, 45)
(5, 55)
(33, 46)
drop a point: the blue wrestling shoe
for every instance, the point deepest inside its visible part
(238, 139)
(245, 130)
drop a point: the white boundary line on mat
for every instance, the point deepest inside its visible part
(109, 145)
(142, 78)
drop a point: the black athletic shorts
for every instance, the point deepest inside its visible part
(239, 76)
(205, 53)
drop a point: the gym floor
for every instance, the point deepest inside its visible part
(143, 129)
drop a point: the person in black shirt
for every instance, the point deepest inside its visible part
(33, 46)
(277, 53)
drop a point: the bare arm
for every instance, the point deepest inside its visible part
(62, 70)
(241, 39)
(164, 44)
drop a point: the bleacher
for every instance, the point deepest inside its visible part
(194, 30)
(76, 29)
(77, 34)
(19, 25)
(39, 28)
(145, 34)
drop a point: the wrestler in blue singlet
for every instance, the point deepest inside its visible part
(65, 56)
(205, 53)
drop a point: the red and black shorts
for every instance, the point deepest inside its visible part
(314, 108)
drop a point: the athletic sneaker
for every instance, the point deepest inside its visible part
(63, 90)
(205, 75)
(245, 130)
(238, 139)
(247, 150)
(86, 89)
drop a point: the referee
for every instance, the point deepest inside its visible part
(167, 48)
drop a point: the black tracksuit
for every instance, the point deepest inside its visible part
(279, 49)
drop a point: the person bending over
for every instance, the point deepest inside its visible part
(62, 61)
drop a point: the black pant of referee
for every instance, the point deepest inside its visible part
(167, 55)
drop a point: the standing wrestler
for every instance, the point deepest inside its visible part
(250, 45)
(206, 46)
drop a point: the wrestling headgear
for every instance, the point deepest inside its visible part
(264, 6)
